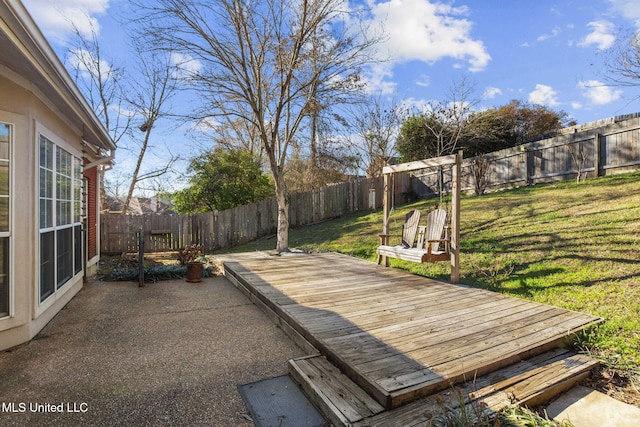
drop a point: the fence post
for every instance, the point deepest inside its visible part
(386, 211)
(455, 218)
(597, 154)
(141, 257)
(529, 165)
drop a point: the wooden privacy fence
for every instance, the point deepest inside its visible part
(608, 146)
(224, 229)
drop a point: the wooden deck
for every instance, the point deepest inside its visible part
(399, 336)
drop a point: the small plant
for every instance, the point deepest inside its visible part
(461, 411)
(521, 416)
(493, 271)
(189, 254)
(152, 274)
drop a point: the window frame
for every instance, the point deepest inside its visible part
(58, 225)
(8, 261)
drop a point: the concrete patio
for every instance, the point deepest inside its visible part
(170, 353)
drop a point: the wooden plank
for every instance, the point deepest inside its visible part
(456, 319)
(335, 392)
(437, 335)
(470, 355)
(536, 383)
(368, 291)
(367, 320)
(525, 382)
(405, 322)
(440, 359)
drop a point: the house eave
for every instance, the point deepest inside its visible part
(26, 51)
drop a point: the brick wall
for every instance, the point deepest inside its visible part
(91, 176)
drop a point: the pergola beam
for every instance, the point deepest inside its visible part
(421, 164)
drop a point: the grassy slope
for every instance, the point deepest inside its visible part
(572, 245)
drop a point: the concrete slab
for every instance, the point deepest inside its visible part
(585, 407)
(168, 354)
(279, 402)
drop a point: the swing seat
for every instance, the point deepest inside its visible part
(431, 245)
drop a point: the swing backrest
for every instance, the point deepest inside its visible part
(410, 228)
(436, 221)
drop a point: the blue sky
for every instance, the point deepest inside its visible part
(545, 52)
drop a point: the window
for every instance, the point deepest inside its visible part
(5, 174)
(61, 236)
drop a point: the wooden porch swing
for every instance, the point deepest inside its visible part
(433, 245)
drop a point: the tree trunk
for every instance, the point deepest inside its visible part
(134, 178)
(282, 244)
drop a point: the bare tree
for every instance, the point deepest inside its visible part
(579, 152)
(116, 101)
(623, 61)
(229, 132)
(238, 133)
(102, 84)
(257, 66)
(375, 124)
(451, 117)
(479, 169)
(148, 100)
(100, 81)
(448, 122)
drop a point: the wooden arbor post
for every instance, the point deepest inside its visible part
(455, 218)
(456, 161)
(386, 212)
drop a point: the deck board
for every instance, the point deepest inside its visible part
(397, 335)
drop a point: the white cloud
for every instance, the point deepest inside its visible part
(57, 19)
(544, 95)
(599, 93)
(424, 81)
(554, 33)
(628, 9)
(83, 60)
(412, 104)
(601, 35)
(186, 64)
(376, 79)
(491, 92)
(206, 125)
(576, 105)
(424, 31)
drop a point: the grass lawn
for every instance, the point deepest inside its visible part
(575, 246)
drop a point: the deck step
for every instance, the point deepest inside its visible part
(341, 400)
(529, 382)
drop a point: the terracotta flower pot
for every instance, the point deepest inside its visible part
(194, 271)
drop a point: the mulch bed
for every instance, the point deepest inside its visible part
(127, 261)
(621, 385)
